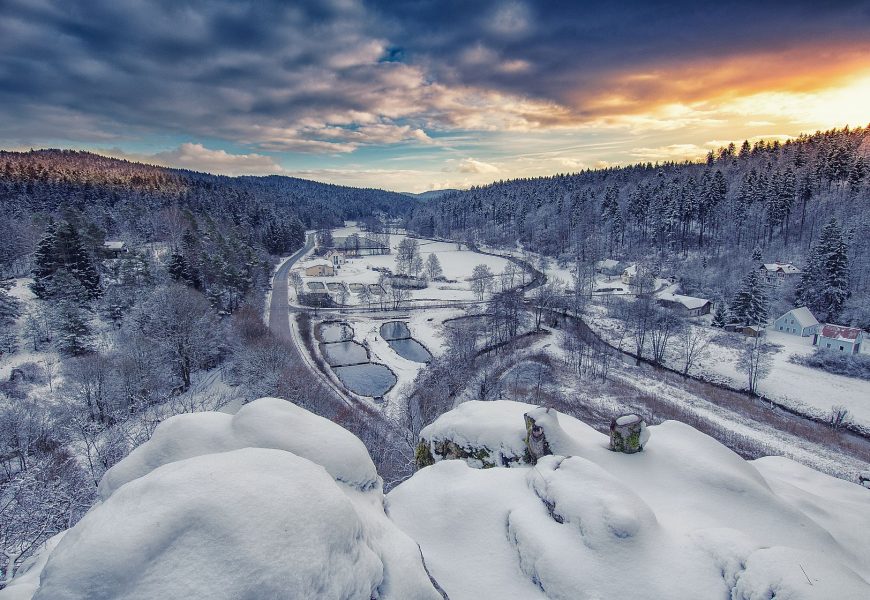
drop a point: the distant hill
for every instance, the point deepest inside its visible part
(431, 194)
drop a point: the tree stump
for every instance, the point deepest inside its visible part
(536, 441)
(628, 434)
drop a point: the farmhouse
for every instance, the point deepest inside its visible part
(319, 268)
(797, 321)
(779, 272)
(839, 338)
(609, 267)
(688, 306)
(336, 258)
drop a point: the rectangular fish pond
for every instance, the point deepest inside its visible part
(335, 332)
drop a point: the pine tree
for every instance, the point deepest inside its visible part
(44, 261)
(836, 271)
(720, 314)
(70, 318)
(824, 283)
(10, 310)
(750, 304)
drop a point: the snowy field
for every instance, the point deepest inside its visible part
(810, 391)
(456, 260)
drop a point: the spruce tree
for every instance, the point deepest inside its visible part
(835, 291)
(749, 306)
(720, 314)
(44, 261)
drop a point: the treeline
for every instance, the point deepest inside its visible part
(697, 221)
(107, 197)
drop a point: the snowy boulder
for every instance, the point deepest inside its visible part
(476, 434)
(195, 513)
(864, 478)
(264, 423)
(628, 434)
(252, 523)
(686, 518)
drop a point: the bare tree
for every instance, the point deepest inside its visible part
(755, 361)
(693, 346)
(180, 321)
(546, 297)
(481, 280)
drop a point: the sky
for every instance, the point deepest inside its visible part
(432, 94)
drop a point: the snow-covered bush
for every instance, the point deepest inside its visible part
(850, 365)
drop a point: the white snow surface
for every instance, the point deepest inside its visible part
(685, 518)
(264, 423)
(272, 502)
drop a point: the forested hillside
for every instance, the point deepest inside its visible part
(107, 197)
(699, 222)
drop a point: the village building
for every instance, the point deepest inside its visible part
(114, 247)
(839, 338)
(319, 268)
(779, 272)
(629, 275)
(797, 321)
(336, 258)
(609, 267)
(688, 306)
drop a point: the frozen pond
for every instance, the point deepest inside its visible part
(395, 330)
(370, 379)
(345, 353)
(411, 349)
(336, 332)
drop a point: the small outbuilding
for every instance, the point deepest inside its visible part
(839, 338)
(319, 268)
(797, 321)
(114, 247)
(688, 306)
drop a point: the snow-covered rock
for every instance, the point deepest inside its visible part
(264, 423)
(272, 502)
(685, 518)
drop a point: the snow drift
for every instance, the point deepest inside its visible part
(685, 518)
(272, 502)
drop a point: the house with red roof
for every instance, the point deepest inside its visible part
(839, 338)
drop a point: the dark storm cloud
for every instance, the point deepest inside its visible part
(329, 76)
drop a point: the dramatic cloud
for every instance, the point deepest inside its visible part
(531, 87)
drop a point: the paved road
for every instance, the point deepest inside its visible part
(279, 316)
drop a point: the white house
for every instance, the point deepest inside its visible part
(797, 321)
(688, 306)
(336, 258)
(779, 272)
(839, 338)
